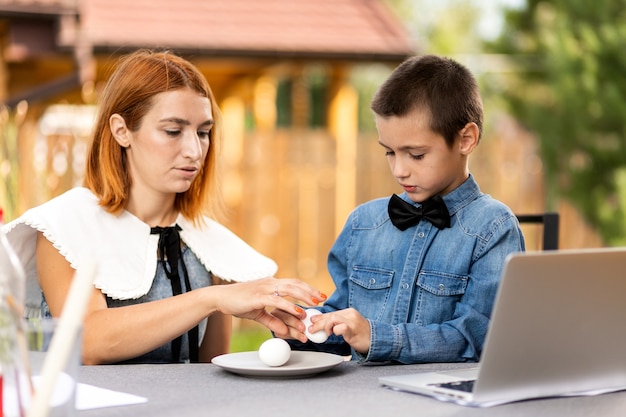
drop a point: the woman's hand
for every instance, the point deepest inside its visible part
(265, 301)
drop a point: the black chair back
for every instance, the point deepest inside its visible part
(550, 222)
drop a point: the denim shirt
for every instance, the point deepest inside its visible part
(427, 293)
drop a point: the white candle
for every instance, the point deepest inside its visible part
(65, 335)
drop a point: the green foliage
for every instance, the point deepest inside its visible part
(570, 90)
(444, 27)
(9, 127)
(7, 336)
(249, 338)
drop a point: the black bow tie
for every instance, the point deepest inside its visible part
(404, 215)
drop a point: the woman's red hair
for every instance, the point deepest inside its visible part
(139, 77)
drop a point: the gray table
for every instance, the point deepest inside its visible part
(347, 390)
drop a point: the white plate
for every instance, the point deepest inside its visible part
(299, 364)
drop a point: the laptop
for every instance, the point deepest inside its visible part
(558, 328)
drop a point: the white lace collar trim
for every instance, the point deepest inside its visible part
(122, 246)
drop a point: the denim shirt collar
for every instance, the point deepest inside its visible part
(458, 198)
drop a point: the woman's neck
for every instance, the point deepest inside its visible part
(153, 212)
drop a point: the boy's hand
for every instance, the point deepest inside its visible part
(348, 323)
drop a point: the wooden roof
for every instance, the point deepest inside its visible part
(347, 29)
(49, 44)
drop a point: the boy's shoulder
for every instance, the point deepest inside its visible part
(486, 202)
(476, 211)
(485, 212)
(371, 213)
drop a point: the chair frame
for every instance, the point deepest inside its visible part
(550, 221)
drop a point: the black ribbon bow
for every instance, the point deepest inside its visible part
(404, 215)
(170, 256)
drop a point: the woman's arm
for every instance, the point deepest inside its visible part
(217, 337)
(116, 334)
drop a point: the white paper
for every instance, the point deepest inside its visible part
(89, 397)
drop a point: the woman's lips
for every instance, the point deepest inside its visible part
(188, 172)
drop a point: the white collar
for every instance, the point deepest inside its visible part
(124, 250)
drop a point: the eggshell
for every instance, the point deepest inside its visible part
(274, 352)
(317, 337)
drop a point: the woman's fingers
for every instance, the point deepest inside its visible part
(294, 288)
(271, 322)
(294, 325)
(269, 301)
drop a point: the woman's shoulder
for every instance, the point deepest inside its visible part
(224, 253)
(73, 200)
(69, 207)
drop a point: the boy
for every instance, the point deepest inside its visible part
(411, 290)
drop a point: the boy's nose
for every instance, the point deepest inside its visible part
(398, 169)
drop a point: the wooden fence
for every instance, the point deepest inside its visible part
(287, 205)
(281, 195)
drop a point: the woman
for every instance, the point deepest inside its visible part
(150, 178)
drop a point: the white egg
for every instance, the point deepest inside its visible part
(317, 337)
(274, 352)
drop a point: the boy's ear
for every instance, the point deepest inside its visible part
(120, 131)
(470, 135)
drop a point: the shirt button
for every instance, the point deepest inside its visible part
(441, 287)
(372, 281)
(405, 286)
(420, 234)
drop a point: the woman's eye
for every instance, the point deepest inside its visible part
(204, 134)
(388, 153)
(172, 132)
(420, 156)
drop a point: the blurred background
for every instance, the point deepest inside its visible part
(294, 79)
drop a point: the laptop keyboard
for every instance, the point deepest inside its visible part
(465, 386)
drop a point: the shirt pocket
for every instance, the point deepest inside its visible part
(370, 289)
(438, 295)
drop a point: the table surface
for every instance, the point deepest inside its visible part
(350, 389)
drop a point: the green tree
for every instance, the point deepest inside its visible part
(444, 27)
(569, 88)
